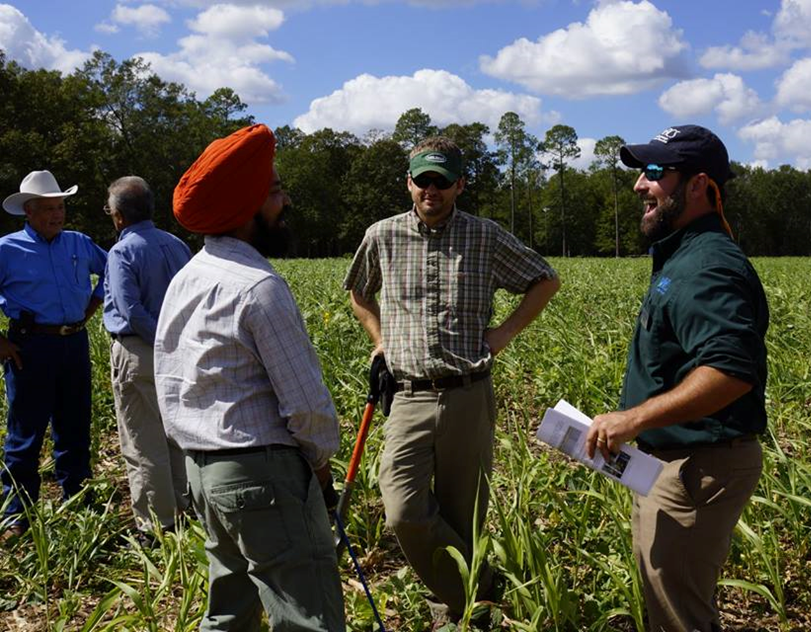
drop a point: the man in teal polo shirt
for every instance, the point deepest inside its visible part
(693, 393)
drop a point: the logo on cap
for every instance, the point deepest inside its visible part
(435, 158)
(669, 134)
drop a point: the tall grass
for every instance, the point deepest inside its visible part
(559, 533)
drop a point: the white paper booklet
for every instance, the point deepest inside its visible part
(564, 427)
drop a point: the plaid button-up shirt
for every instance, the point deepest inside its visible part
(437, 287)
(234, 366)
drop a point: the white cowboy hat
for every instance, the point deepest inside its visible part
(37, 184)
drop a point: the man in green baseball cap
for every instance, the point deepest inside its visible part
(437, 269)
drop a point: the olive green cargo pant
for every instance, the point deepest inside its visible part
(269, 542)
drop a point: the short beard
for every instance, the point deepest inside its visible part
(271, 241)
(660, 225)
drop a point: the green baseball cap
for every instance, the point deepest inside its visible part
(447, 165)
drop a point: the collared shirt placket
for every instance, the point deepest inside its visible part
(433, 297)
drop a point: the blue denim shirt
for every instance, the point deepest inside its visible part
(49, 279)
(139, 269)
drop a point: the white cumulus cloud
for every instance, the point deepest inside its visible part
(230, 21)
(30, 48)
(306, 4)
(777, 142)
(587, 156)
(791, 29)
(368, 102)
(146, 18)
(793, 23)
(623, 47)
(755, 51)
(225, 50)
(726, 94)
(108, 28)
(794, 87)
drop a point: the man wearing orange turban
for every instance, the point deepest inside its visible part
(241, 391)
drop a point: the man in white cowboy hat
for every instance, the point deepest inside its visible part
(46, 293)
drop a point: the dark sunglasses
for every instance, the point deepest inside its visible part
(424, 181)
(656, 172)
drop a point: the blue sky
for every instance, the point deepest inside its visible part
(625, 67)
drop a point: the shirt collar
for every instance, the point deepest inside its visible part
(423, 229)
(137, 227)
(665, 248)
(221, 244)
(35, 236)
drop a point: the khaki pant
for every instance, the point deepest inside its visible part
(268, 542)
(155, 468)
(444, 438)
(682, 531)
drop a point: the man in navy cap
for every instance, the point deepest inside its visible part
(693, 393)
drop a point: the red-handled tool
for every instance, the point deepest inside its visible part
(377, 369)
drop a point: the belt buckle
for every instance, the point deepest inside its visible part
(67, 330)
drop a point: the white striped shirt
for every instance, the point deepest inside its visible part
(234, 366)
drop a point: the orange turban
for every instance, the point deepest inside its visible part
(227, 185)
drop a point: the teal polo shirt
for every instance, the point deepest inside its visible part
(705, 307)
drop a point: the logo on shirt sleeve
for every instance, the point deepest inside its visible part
(663, 285)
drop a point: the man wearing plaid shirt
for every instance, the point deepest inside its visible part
(241, 391)
(437, 270)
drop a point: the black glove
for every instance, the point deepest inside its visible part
(330, 496)
(382, 385)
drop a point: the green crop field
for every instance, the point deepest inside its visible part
(559, 533)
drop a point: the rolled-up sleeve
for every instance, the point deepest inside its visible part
(517, 267)
(716, 323)
(364, 276)
(292, 366)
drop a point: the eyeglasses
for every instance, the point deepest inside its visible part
(107, 210)
(424, 181)
(656, 172)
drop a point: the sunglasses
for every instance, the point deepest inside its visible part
(424, 181)
(656, 172)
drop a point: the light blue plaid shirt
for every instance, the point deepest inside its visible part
(234, 366)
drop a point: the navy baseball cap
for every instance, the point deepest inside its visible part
(688, 147)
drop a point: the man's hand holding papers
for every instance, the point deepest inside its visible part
(608, 432)
(565, 428)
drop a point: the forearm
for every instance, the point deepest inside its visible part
(92, 306)
(368, 313)
(703, 392)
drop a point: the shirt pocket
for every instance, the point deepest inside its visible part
(79, 272)
(472, 290)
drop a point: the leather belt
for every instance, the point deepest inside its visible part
(120, 336)
(727, 443)
(442, 383)
(251, 449)
(49, 330)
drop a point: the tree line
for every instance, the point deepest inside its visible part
(110, 119)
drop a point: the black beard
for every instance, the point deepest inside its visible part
(660, 225)
(271, 241)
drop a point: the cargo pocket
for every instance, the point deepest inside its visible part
(251, 514)
(704, 481)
